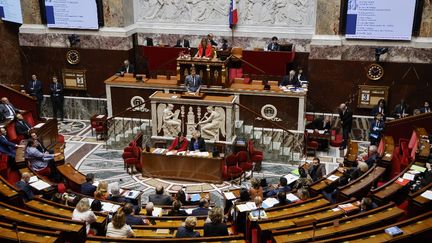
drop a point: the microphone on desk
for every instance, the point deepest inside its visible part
(15, 228)
(313, 230)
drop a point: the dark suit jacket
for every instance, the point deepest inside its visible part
(317, 173)
(375, 111)
(119, 199)
(212, 229)
(301, 77)
(399, 109)
(134, 220)
(319, 124)
(36, 89)
(423, 110)
(273, 47)
(131, 69)
(7, 147)
(190, 85)
(346, 118)
(5, 111)
(200, 211)
(183, 232)
(286, 81)
(88, 189)
(177, 213)
(26, 188)
(56, 91)
(158, 199)
(201, 144)
(22, 128)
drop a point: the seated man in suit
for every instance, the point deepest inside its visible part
(87, 188)
(126, 68)
(22, 127)
(322, 124)
(281, 187)
(24, 186)
(7, 147)
(197, 142)
(160, 198)
(7, 109)
(203, 208)
(176, 209)
(317, 170)
(290, 79)
(401, 110)
(425, 108)
(274, 45)
(131, 219)
(193, 82)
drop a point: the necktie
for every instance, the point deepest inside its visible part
(25, 124)
(55, 87)
(193, 81)
(33, 86)
(11, 111)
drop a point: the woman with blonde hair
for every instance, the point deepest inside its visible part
(118, 227)
(83, 213)
(216, 227)
(102, 191)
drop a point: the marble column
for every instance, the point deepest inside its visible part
(426, 23)
(118, 13)
(327, 19)
(31, 12)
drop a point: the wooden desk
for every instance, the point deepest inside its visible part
(7, 233)
(48, 133)
(73, 177)
(421, 202)
(327, 230)
(390, 189)
(310, 204)
(386, 148)
(419, 143)
(8, 192)
(352, 152)
(362, 184)
(69, 229)
(239, 238)
(213, 72)
(182, 167)
(323, 183)
(418, 227)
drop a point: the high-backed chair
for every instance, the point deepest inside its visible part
(255, 156)
(233, 170)
(244, 163)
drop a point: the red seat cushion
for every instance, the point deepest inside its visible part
(127, 155)
(257, 158)
(28, 117)
(231, 160)
(128, 149)
(234, 171)
(131, 161)
(245, 166)
(45, 171)
(242, 156)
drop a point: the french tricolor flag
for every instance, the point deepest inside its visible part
(233, 17)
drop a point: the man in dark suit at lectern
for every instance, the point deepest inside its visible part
(193, 82)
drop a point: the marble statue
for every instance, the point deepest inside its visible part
(168, 120)
(253, 12)
(213, 123)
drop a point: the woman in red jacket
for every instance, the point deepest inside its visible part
(204, 49)
(179, 144)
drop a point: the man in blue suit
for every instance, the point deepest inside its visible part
(7, 147)
(87, 188)
(193, 82)
(425, 108)
(203, 208)
(132, 219)
(24, 186)
(34, 88)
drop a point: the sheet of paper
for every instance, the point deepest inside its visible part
(408, 176)
(427, 194)
(39, 125)
(40, 185)
(418, 168)
(162, 231)
(295, 172)
(195, 197)
(100, 116)
(189, 210)
(157, 212)
(333, 177)
(291, 178)
(269, 202)
(33, 179)
(251, 205)
(292, 198)
(229, 195)
(171, 153)
(242, 208)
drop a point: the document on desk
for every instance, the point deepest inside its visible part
(33, 179)
(333, 177)
(40, 185)
(229, 195)
(408, 176)
(171, 153)
(269, 202)
(418, 168)
(39, 125)
(159, 151)
(292, 198)
(427, 194)
(291, 178)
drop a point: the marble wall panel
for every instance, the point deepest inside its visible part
(76, 107)
(367, 53)
(31, 12)
(426, 24)
(118, 13)
(60, 40)
(327, 19)
(10, 61)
